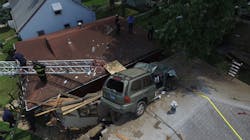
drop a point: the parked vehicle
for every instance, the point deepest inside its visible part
(132, 89)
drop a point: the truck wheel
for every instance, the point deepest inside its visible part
(140, 108)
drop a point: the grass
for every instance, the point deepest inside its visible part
(102, 9)
(91, 3)
(19, 134)
(5, 33)
(8, 86)
(7, 83)
(106, 12)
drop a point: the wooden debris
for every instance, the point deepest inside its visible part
(52, 122)
(70, 95)
(92, 132)
(57, 100)
(45, 112)
(61, 101)
(70, 106)
(114, 67)
(121, 137)
(82, 104)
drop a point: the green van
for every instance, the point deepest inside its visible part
(132, 89)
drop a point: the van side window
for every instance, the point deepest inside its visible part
(147, 81)
(136, 86)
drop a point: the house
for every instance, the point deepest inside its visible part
(97, 40)
(32, 18)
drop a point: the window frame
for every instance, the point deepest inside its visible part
(131, 86)
(67, 25)
(40, 32)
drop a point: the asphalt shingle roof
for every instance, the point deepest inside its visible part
(24, 10)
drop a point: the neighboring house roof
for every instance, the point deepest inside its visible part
(13, 3)
(24, 10)
(78, 43)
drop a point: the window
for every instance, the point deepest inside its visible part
(115, 85)
(79, 21)
(66, 25)
(41, 32)
(147, 81)
(136, 86)
(59, 12)
(57, 8)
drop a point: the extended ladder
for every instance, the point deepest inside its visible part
(79, 66)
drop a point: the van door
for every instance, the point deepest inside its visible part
(135, 90)
(149, 87)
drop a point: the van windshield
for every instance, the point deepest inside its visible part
(115, 85)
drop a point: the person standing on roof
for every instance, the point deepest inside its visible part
(40, 70)
(8, 117)
(117, 24)
(150, 31)
(130, 21)
(19, 57)
(117, 19)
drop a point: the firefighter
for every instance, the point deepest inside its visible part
(40, 70)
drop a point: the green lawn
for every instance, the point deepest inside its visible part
(7, 83)
(102, 9)
(19, 134)
(5, 33)
(91, 3)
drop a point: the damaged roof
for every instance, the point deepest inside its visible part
(96, 40)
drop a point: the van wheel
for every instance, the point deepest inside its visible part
(140, 108)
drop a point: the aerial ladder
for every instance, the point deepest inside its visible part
(88, 67)
(78, 66)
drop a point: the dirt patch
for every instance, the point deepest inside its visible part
(138, 134)
(157, 125)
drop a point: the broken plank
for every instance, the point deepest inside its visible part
(84, 103)
(121, 137)
(114, 66)
(70, 95)
(62, 101)
(57, 100)
(45, 112)
(65, 108)
(68, 107)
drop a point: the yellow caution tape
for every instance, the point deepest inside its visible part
(221, 115)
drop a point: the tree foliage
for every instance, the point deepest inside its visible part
(195, 26)
(4, 15)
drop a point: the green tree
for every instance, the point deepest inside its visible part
(196, 26)
(4, 15)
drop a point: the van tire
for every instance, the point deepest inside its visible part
(140, 108)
